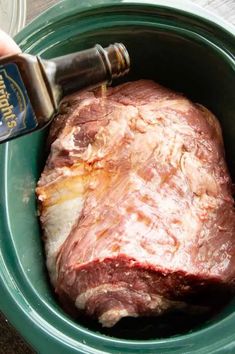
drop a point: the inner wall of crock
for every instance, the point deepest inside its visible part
(175, 60)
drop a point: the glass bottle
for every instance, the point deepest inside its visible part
(31, 88)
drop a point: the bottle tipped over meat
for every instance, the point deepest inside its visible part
(136, 204)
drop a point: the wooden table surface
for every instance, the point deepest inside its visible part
(10, 341)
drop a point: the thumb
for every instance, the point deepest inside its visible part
(7, 45)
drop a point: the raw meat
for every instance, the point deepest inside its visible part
(136, 204)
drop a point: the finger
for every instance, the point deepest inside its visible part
(7, 45)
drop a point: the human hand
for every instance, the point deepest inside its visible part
(7, 45)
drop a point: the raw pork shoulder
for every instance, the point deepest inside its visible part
(136, 204)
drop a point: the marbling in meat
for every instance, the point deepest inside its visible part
(136, 204)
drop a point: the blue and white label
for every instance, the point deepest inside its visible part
(16, 113)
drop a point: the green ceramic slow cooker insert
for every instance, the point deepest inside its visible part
(174, 44)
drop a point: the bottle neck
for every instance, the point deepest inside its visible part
(85, 69)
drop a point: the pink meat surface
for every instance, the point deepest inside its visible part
(136, 204)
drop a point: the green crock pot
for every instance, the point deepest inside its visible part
(172, 42)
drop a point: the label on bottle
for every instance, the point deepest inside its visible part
(16, 113)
